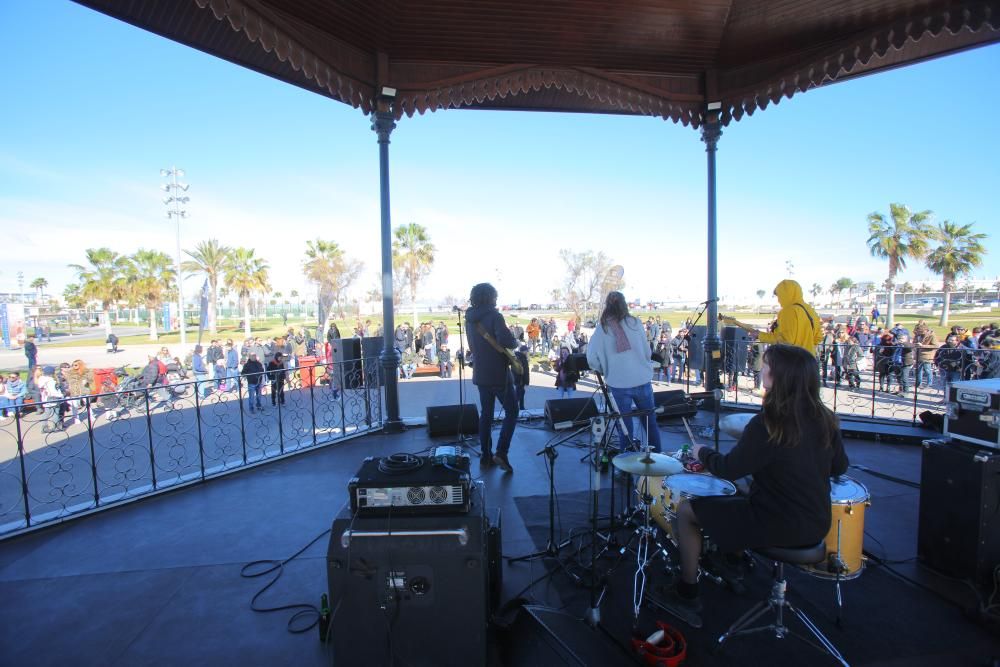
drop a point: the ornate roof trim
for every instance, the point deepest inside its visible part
(855, 57)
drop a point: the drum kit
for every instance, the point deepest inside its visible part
(663, 482)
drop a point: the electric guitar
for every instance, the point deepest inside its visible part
(515, 365)
(736, 323)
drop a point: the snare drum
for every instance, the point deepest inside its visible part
(845, 541)
(686, 485)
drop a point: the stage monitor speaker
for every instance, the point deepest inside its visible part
(696, 347)
(568, 410)
(410, 590)
(453, 420)
(735, 346)
(958, 532)
(675, 403)
(347, 357)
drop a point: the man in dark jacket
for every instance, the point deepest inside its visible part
(491, 372)
(254, 372)
(31, 352)
(276, 374)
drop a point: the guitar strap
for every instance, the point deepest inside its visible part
(804, 310)
(515, 365)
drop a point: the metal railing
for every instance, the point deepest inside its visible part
(882, 386)
(68, 457)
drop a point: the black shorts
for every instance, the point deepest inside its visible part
(733, 525)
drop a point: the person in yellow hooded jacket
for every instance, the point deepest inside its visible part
(798, 324)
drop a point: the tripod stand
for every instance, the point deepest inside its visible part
(552, 548)
(462, 440)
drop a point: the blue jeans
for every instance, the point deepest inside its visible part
(488, 395)
(924, 374)
(253, 396)
(641, 398)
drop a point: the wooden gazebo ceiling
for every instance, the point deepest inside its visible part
(665, 58)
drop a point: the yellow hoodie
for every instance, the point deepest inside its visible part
(798, 323)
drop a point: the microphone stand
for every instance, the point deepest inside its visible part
(461, 384)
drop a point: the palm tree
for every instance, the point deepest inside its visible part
(412, 254)
(902, 236)
(39, 284)
(835, 289)
(244, 274)
(760, 297)
(209, 258)
(959, 251)
(102, 279)
(150, 276)
(816, 290)
(842, 284)
(332, 271)
(904, 289)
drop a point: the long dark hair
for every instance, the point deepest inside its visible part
(793, 401)
(615, 309)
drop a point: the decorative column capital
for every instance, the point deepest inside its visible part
(383, 124)
(711, 130)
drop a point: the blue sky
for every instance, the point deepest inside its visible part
(95, 108)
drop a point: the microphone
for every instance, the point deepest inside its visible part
(710, 301)
(456, 309)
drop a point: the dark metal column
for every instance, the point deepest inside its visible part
(711, 130)
(383, 125)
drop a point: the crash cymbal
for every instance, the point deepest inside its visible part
(734, 425)
(641, 463)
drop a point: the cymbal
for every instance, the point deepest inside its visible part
(734, 425)
(641, 463)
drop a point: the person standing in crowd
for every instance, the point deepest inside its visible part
(488, 337)
(276, 374)
(333, 333)
(620, 353)
(534, 331)
(16, 389)
(78, 383)
(875, 315)
(924, 345)
(852, 363)
(791, 448)
(522, 379)
(566, 378)
(50, 396)
(112, 342)
(797, 324)
(903, 362)
(31, 352)
(200, 370)
(884, 351)
(950, 360)
(232, 364)
(826, 350)
(665, 358)
(253, 370)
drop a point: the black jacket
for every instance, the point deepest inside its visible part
(254, 371)
(489, 367)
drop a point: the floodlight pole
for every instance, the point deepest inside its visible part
(383, 124)
(175, 198)
(711, 130)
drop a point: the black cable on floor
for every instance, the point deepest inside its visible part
(882, 475)
(305, 609)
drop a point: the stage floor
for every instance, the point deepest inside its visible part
(158, 582)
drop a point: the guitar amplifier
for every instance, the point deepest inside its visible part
(973, 412)
(405, 484)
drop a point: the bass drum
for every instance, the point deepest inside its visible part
(845, 541)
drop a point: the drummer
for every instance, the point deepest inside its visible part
(791, 448)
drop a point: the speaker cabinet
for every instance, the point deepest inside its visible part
(569, 410)
(959, 527)
(675, 403)
(410, 589)
(735, 347)
(452, 420)
(347, 356)
(371, 349)
(696, 347)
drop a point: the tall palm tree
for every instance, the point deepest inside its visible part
(816, 290)
(842, 284)
(901, 236)
(905, 289)
(835, 289)
(101, 280)
(39, 284)
(244, 274)
(150, 276)
(412, 254)
(209, 258)
(332, 271)
(959, 251)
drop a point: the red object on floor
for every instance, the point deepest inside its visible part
(668, 652)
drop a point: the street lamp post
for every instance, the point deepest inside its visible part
(20, 286)
(174, 189)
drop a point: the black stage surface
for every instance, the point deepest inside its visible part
(158, 582)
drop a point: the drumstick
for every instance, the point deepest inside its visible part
(688, 428)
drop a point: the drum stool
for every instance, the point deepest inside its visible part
(778, 601)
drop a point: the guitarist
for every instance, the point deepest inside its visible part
(490, 342)
(798, 324)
